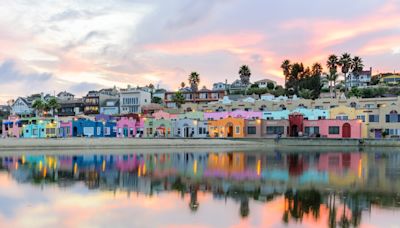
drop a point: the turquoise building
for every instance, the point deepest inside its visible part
(309, 114)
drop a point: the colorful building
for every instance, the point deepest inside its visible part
(12, 127)
(65, 129)
(190, 128)
(227, 128)
(310, 114)
(158, 128)
(126, 127)
(89, 128)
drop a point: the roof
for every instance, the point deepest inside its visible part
(64, 93)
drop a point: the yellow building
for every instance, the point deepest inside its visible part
(393, 79)
(51, 129)
(226, 128)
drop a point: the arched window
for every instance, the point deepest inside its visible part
(282, 106)
(189, 109)
(353, 104)
(393, 117)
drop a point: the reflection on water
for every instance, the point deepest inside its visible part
(265, 189)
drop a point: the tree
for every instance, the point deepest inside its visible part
(53, 105)
(305, 93)
(270, 85)
(39, 106)
(279, 91)
(286, 67)
(357, 66)
(194, 81)
(183, 85)
(245, 73)
(332, 64)
(178, 99)
(345, 62)
(156, 100)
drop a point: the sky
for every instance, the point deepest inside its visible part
(80, 45)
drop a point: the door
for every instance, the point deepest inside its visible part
(186, 132)
(294, 132)
(378, 133)
(230, 131)
(346, 130)
(75, 131)
(125, 132)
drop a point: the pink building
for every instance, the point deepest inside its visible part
(333, 128)
(127, 127)
(12, 127)
(65, 129)
(235, 114)
(164, 115)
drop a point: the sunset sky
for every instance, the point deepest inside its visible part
(89, 44)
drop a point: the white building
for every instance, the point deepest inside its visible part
(264, 83)
(65, 96)
(110, 107)
(132, 100)
(220, 86)
(362, 80)
(21, 106)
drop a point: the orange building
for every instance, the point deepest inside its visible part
(226, 128)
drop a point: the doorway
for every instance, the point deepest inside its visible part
(346, 130)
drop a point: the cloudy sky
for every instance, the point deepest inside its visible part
(80, 45)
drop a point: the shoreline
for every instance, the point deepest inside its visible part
(199, 144)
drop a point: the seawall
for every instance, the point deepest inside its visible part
(188, 144)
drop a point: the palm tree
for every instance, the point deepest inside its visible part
(357, 66)
(194, 81)
(332, 64)
(345, 63)
(53, 105)
(245, 73)
(316, 69)
(38, 105)
(286, 67)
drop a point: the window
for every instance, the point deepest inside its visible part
(369, 106)
(107, 131)
(342, 117)
(361, 117)
(334, 130)
(237, 130)
(251, 130)
(311, 131)
(393, 117)
(98, 130)
(179, 131)
(373, 118)
(273, 130)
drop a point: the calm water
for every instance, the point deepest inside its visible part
(232, 189)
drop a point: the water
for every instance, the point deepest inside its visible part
(202, 189)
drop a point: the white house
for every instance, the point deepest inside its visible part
(110, 107)
(264, 83)
(132, 100)
(362, 80)
(21, 106)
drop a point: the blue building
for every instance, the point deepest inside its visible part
(90, 128)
